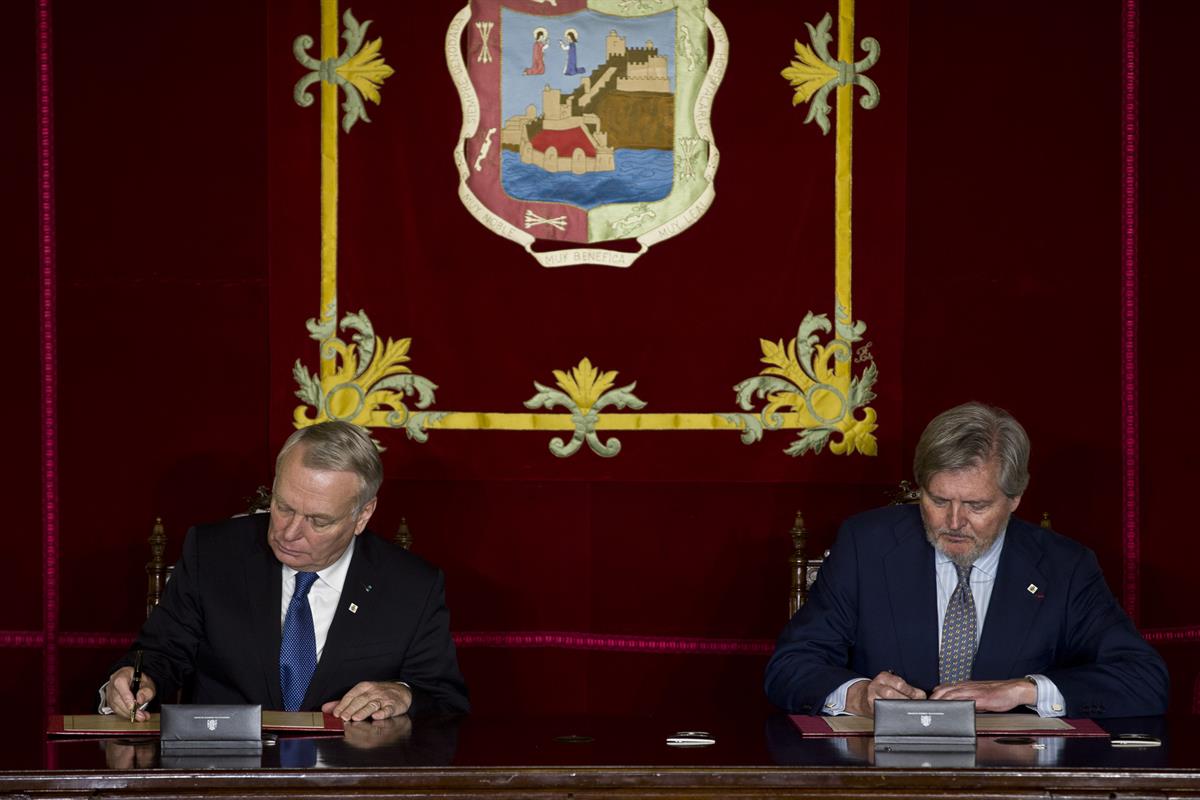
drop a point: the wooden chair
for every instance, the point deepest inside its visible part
(158, 572)
(804, 569)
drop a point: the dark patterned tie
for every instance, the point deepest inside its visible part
(298, 648)
(958, 631)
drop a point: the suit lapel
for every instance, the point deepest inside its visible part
(1013, 606)
(912, 589)
(264, 586)
(346, 626)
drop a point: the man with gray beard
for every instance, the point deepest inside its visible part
(956, 599)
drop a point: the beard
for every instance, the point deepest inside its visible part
(976, 548)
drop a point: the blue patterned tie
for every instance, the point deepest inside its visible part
(298, 649)
(958, 631)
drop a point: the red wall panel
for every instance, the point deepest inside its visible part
(24, 736)
(1013, 282)
(162, 349)
(1169, 193)
(20, 403)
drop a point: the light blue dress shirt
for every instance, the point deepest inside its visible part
(1050, 702)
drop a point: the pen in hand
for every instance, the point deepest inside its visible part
(135, 684)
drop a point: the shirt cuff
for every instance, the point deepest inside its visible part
(102, 707)
(1050, 702)
(835, 703)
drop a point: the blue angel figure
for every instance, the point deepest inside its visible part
(569, 45)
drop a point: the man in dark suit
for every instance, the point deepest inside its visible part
(958, 600)
(367, 636)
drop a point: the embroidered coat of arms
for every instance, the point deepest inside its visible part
(586, 121)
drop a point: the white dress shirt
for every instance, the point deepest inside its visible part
(322, 597)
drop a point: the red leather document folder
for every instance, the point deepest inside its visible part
(985, 725)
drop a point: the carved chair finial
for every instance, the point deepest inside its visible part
(156, 568)
(403, 535)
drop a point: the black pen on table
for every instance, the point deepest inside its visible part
(135, 684)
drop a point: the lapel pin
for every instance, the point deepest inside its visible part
(368, 587)
(354, 608)
(1031, 588)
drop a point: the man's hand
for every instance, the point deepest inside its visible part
(861, 697)
(121, 700)
(373, 700)
(989, 695)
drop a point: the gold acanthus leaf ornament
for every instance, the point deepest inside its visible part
(585, 384)
(807, 74)
(366, 383)
(367, 70)
(802, 380)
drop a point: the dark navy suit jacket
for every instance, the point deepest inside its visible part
(217, 628)
(874, 608)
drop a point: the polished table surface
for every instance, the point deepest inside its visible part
(607, 756)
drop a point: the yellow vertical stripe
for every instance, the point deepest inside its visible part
(842, 173)
(329, 180)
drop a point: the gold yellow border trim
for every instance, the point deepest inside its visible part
(842, 192)
(329, 183)
(489, 421)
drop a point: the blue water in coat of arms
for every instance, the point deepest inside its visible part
(588, 106)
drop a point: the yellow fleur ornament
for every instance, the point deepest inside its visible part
(585, 384)
(814, 73)
(807, 74)
(359, 71)
(367, 70)
(802, 382)
(369, 383)
(858, 435)
(584, 393)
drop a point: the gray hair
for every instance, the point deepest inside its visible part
(971, 435)
(342, 447)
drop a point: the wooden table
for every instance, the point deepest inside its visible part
(613, 757)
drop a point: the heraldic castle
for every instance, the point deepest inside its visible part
(626, 102)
